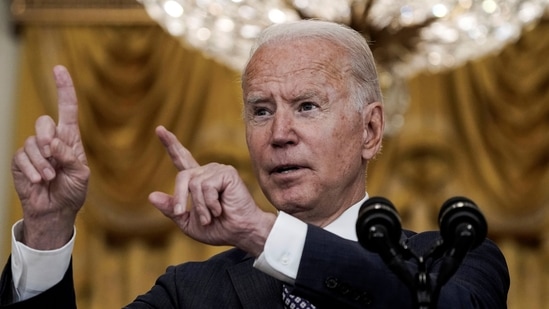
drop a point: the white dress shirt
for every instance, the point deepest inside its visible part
(35, 271)
(282, 253)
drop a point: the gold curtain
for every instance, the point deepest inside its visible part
(480, 131)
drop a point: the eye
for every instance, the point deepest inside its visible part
(261, 111)
(307, 106)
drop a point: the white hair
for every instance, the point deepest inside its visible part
(363, 70)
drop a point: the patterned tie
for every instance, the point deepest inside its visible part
(295, 302)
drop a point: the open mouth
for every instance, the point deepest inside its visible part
(284, 169)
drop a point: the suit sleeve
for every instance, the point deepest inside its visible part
(335, 272)
(481, 281)
(61, 295)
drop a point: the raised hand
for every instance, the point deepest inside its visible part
(222, 211)
(50, 172)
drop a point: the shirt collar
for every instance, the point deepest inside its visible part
(344, 225)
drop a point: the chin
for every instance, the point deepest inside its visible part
(290, 198)
(291, 205)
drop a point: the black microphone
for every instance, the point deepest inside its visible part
(378, 229)
(378, 220)
(463, 228)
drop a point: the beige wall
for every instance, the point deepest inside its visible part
(8, 64)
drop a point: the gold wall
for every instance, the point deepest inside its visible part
(481, 131)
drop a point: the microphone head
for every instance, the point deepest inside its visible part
(377, 213)
(460, 210)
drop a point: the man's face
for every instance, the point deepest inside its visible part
(305, 136)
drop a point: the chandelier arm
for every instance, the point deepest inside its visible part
(300, 13)
(360, 11)
(390, 45)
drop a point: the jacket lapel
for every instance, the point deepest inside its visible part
(254, 288)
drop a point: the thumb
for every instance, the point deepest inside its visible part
(165, 203)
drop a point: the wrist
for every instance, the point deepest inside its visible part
(48, 232)
(254, 242)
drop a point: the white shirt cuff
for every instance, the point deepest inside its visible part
(283, 249)
(35, 271)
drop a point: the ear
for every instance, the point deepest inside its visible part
(374, 123)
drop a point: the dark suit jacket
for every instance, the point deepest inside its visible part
(334, 273)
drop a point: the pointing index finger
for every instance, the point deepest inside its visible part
(181, 156)
(66, 96)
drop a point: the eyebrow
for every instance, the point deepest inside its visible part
(305, 95)
(255, 99)
(258, 99)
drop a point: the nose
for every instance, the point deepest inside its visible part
(283, 129)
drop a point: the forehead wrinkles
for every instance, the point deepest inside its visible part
(296, 73)
(288, 57)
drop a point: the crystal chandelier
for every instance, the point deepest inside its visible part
(407, 36)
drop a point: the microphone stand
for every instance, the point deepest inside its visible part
(462, 227)
(426, 295)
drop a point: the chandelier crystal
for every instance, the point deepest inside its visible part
(449, 32)
(406, 36)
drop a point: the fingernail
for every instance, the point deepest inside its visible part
(178, 209)
(47, 151)
(203, 219)
(49, 173)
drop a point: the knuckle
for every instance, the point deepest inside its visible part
(194, 185)
(30, 141)
(18, 157)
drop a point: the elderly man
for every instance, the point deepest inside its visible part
(314, 118)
